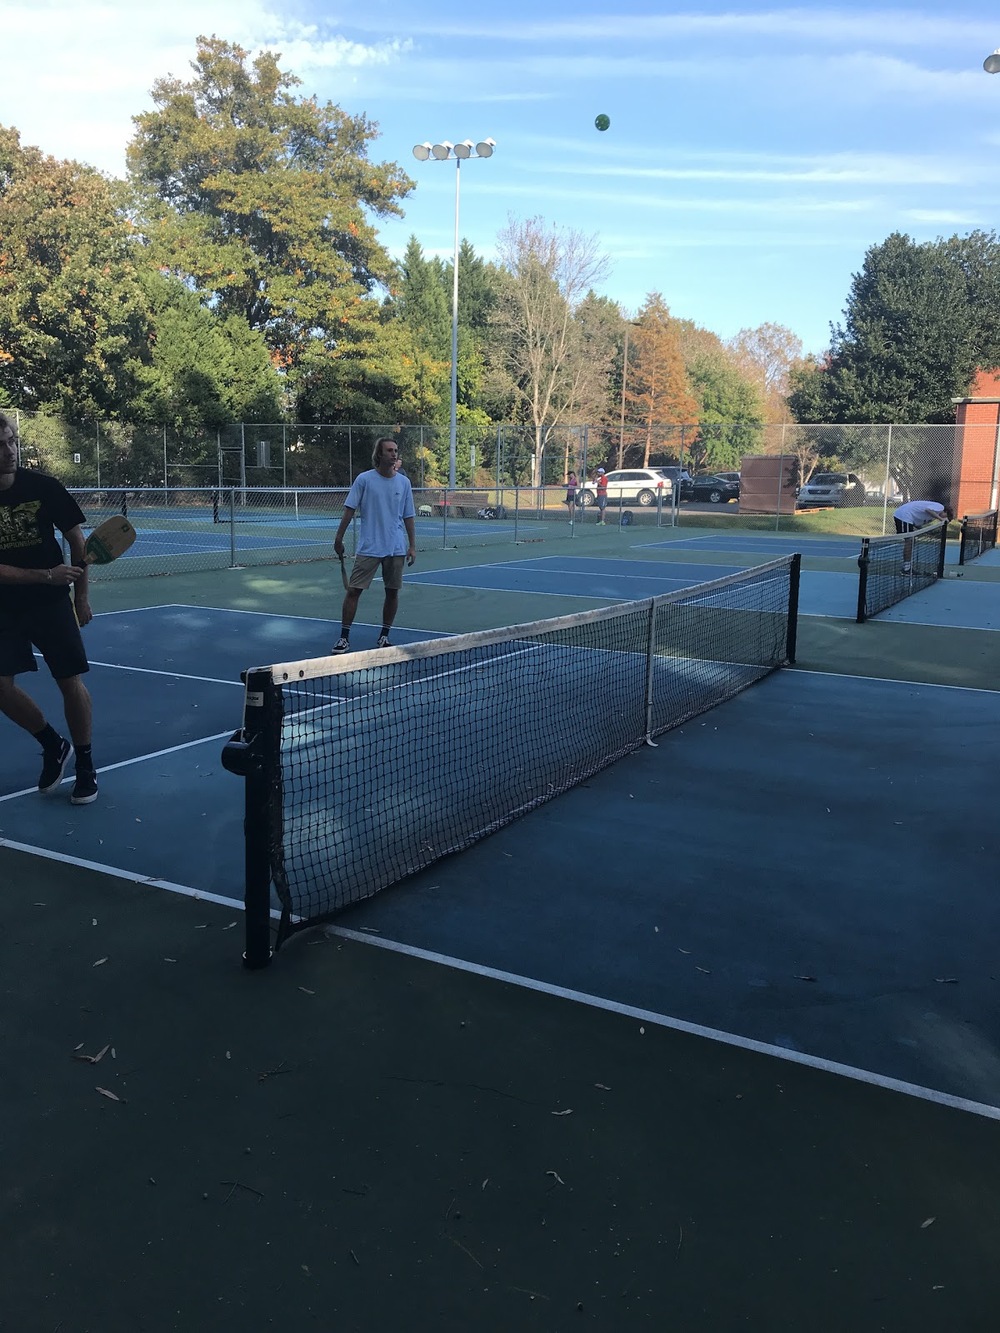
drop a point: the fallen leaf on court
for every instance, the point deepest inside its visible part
(603, 1086)
(306, 991)
(93, 920)
(106, 1092)
(92, 1059)
(371, 930)
(99, 962)
(170, 960)
(800, 977)
(656, 930)
(556, 1177)
(569, 1111)
(680, 950)
(951, 980)
(205, 927)
(642, 1032)
(231, 925)
(702, 969)
(485, 1183)
(927, 1223)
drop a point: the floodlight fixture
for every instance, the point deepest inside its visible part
(441, 150)
(992, 63)
(422, 151)
(485, 148)
(464, 149)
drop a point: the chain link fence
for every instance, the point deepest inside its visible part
(232, 484)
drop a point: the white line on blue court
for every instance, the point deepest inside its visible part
(545, 988)
(136, 759)
(676, 1024)
(893, 680)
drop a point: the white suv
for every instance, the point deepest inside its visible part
(634, 485)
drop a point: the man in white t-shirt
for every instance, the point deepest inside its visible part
(917, 514)
(383, 500)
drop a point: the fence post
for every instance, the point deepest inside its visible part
(885, 484)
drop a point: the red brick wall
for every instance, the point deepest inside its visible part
(977, 428)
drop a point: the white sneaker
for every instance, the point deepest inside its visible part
(383, 641)
(342, 645)
(907, 567)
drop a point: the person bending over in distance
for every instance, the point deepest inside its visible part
(383, 500)
(917, 514)
(37, 611)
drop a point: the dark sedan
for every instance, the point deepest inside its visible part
(717, 490)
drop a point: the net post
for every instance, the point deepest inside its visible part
(794, 578)
(863, 581)
(942, 549)
(232, 529)
(650, 644)
(246, 755)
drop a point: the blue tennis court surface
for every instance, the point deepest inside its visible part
(767, 547)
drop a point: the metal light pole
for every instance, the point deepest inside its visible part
(441, 152)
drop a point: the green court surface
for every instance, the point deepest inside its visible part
(709, 1043)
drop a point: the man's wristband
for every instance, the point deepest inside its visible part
(48, 576)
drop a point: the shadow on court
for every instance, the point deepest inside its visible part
(363, 1140)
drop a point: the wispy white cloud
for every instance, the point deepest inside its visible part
(835, 170)
(890, 28)
(943, 217)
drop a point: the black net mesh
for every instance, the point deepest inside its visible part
(380, 763)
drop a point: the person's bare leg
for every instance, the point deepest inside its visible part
(20, 707)
(78, 709)
(389, 607)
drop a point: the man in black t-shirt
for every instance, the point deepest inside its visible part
(37, 611)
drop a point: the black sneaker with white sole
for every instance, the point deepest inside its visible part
(341, 646)
(85, 787)
(54, 766)
(383, 641)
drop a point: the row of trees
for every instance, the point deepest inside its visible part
(236, 274)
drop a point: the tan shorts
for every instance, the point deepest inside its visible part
(366, 566)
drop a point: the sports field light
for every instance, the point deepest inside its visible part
(461, 152)
(992, 63)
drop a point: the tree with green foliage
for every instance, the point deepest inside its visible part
(73, 315)
(203, 370)
(263, 200)
(907, 346)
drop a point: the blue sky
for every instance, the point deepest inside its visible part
(754, 153)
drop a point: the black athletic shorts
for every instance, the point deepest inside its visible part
(50, 626)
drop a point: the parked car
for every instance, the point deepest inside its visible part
(728, 476)
(838, 490)
(679, 477)
(714, 488)
(634, 485)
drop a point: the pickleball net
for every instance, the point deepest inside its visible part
(979, 534)
(361, 770)
(892, 568)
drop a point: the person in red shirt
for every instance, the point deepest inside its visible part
(601, 482)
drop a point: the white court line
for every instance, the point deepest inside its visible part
(315, 620)
(126, 763)
(174, 675)
(893, 680)
(914, 1090)
(677, 1024)
(150, 881)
